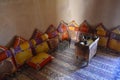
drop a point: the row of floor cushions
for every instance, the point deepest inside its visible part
(109, 39)
(33, 52)
(25, 53)
(68, 31)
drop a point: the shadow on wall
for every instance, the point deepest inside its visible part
(49, 12)
(54, 11)
(17, 17)
(21, 17)
(105, 11)
(26, 15)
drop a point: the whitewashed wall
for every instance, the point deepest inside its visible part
(21, 17)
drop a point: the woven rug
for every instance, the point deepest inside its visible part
(104, 66)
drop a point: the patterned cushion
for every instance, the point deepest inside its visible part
(2, 48)
(64, 36)
(39, 60)
(44, 37)
(73, 30)
(35, 42)
(7, 65)
(18, 40)
(114, 45)
(63, 31)
(53, 42)
(114, 41)
(43, 47)
(22, 53)
(36, 34)
(103, 41)
(23, 56)
(50, 29)
(52, 32)
(101, 30)
(84, 28)
(62, 27)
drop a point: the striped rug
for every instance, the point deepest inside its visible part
(104, 66)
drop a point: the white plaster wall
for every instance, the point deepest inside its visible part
(21, 17)
(96, 11)
(16, 18)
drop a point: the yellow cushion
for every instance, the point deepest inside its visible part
(22, 56)
(71, 28)
(117, 31)
(101, 31)
(24, 45)
(44, 37)
(114, 44)
(33, 42)
(103, 41)
(43, 47)
(39, 58)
